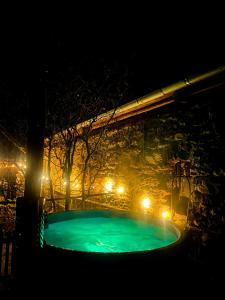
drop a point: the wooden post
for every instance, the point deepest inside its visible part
(28, 223)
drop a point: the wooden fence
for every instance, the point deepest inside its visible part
(7, 243)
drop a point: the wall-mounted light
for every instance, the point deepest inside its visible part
(120, 190)
(109, 186)
(146, 203)
(44, 178)
(166, 214)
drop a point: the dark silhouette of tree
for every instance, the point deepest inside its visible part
(72, 118)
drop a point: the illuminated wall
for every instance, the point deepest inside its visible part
(141, 154)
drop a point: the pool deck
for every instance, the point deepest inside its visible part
(186, 277)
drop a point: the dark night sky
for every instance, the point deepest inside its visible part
(153, 53)
(157, 46)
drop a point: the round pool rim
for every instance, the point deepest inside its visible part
(150, 220)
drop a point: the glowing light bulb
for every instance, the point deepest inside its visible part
(120, 190)
(166, 214)
(108, 186)
(146, 203)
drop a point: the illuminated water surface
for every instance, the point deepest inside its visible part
(103, 233)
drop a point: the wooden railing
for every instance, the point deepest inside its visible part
(100, 200)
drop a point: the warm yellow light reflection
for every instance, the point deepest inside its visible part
(76, 185)
(44, 178)
(146, 203)
(166, 214)
(21, 165)
(109, 186)
(64, 183)
(120, 190)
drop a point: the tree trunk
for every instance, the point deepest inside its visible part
(67, 203)
(29, 236)
(83, 192)
(52, 192)
(49, 174)
(67, 178)
(34, 165)
(69, 167)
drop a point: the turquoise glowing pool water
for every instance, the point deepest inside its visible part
(106, 232)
